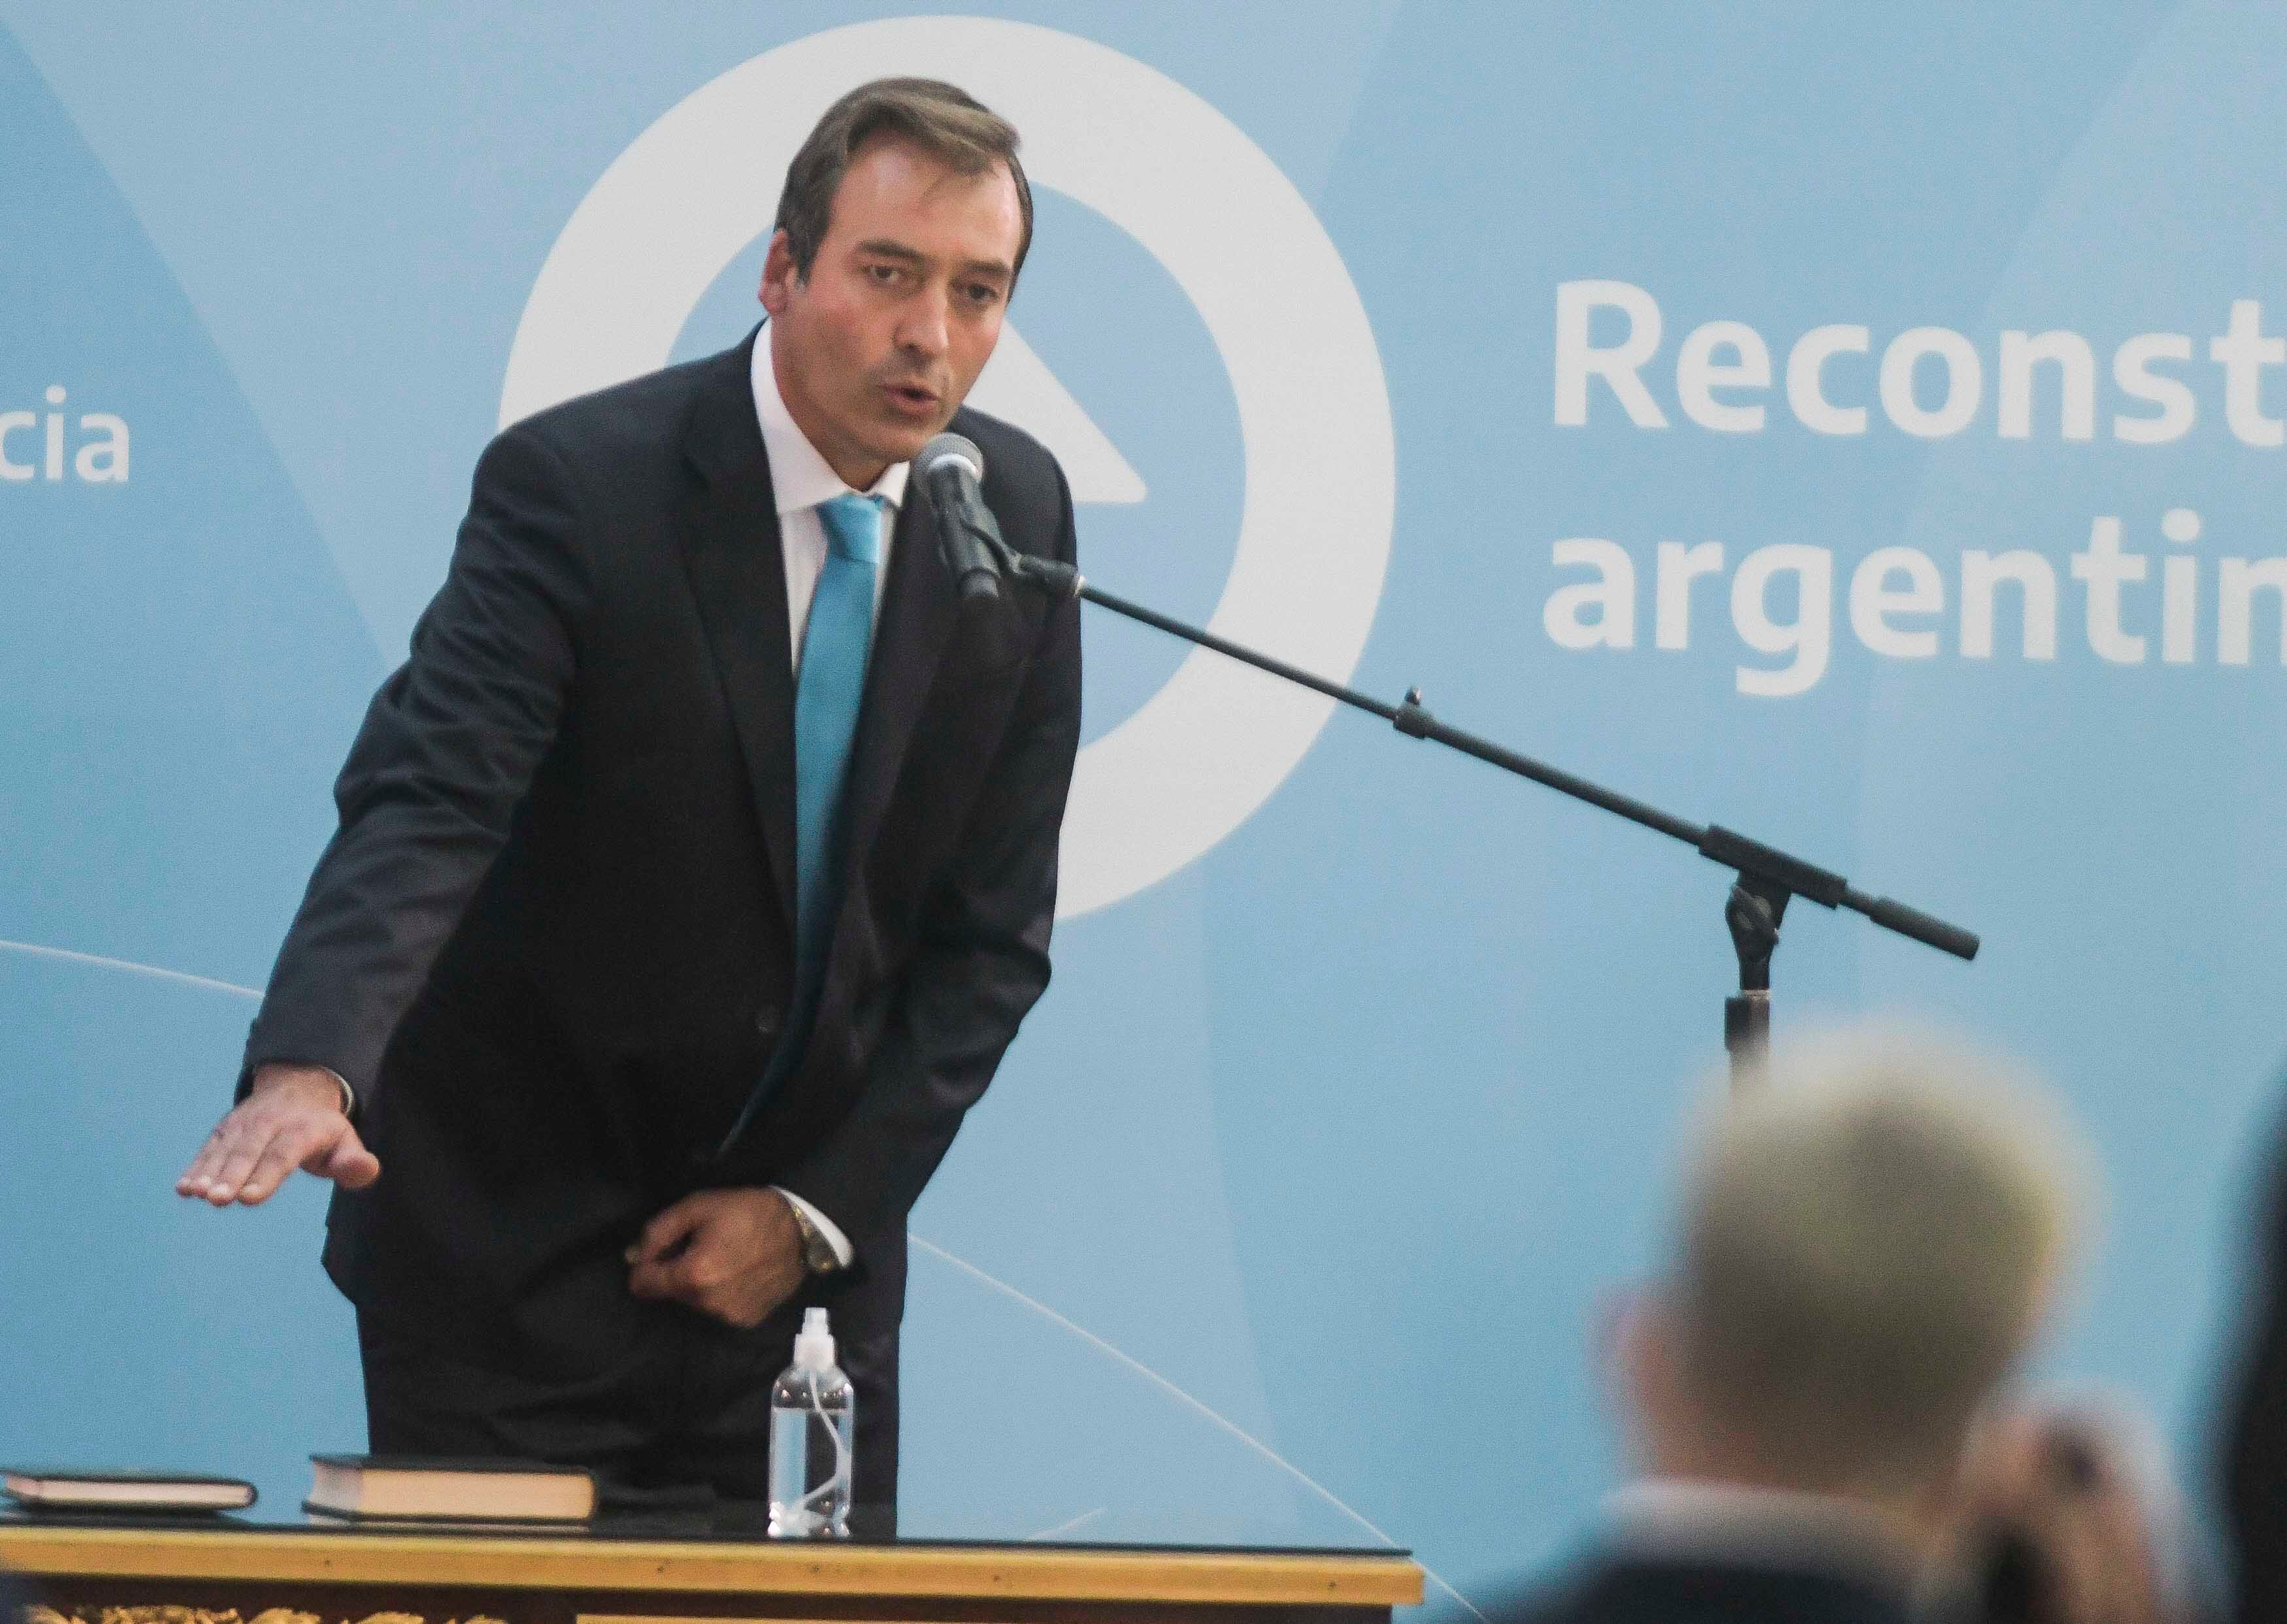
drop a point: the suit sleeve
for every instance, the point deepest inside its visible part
(2255, 1444)
(983, 956)
(448, 749)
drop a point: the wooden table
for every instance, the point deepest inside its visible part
(343, 1576)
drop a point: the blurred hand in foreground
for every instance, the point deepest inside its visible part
(2067, 1515)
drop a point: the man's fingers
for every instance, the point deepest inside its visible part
(2122, 1526)
(672, 1229)
(214, 1155)
(695, 1277)
(667, 1281)
(282, 1156)
(646, 1281)
(706, 1263)
(266, 1152)
(205, 1165)
(238, 1160)
(2078, 1561)
(2093, 1526)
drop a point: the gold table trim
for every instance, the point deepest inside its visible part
(519, 1563)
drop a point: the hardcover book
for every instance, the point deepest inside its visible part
(76, 1489)
(400, 1488)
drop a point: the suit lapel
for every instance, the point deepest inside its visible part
(919, 607)
(732, 551)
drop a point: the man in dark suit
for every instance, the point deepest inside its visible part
(1869, 1237)
(696, 870)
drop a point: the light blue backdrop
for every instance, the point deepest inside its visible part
(1289, 1214)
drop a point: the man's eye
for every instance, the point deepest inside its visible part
(982, 293)
(883, 275)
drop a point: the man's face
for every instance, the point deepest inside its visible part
(875, 349)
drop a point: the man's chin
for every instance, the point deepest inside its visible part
(903, 442)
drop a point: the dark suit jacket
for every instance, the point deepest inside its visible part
(1623, 1588)
(551, 945)
(2255, 1444)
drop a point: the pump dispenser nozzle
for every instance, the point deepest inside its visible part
(813, 1348)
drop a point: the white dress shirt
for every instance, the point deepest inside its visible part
(800, 479)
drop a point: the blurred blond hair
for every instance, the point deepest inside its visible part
(1872, 1229)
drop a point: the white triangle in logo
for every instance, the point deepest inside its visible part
(1018, 385)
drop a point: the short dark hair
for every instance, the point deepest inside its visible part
(942, 120)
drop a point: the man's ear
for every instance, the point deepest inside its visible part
(1640, 1357)
(779, 274)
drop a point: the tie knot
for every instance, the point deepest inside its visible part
(853, 526)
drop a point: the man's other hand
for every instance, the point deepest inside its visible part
(293, 1118)
(734, 1255)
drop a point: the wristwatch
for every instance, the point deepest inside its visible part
(816, 1252)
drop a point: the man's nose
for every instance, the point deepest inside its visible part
(926, 327)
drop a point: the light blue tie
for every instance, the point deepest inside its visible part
(827, 690)
(828, 693)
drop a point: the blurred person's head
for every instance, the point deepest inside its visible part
(1869, 1235)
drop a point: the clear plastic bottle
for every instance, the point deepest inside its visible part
(813, 1420)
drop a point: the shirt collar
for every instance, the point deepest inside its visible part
(800, 477)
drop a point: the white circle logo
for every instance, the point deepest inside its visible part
(1206, 752)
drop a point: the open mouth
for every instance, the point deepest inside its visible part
(911, 397)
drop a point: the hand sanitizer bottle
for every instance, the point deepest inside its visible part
(813, 1414)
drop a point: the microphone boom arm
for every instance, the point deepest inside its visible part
(1767, 877)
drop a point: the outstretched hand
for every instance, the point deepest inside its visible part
(734, 1255)
(293, 1118)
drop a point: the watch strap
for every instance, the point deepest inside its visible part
(816, 1252)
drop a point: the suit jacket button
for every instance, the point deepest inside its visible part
(768, 1019)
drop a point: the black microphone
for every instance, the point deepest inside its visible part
(952, 469)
